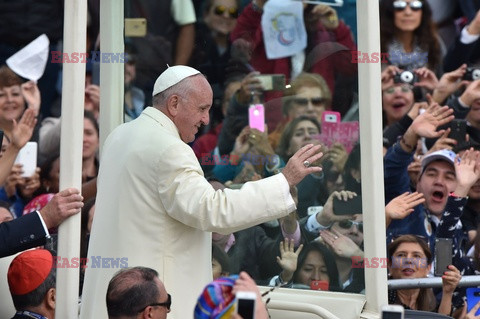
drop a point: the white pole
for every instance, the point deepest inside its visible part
(111, 74)
(369, 88)
(73, 93)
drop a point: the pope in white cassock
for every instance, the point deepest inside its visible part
(154, 205)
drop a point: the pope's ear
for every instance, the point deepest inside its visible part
(172, 105)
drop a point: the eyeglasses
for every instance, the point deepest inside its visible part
(232, 12)
(166, 304)
(317, 101)
(347, 224)
(401, 5)
(405, 88)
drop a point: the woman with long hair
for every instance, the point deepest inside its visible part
(408, 34)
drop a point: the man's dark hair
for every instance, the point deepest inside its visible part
(35, 297)
(131, 289)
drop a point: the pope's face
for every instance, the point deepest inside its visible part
(193, 108)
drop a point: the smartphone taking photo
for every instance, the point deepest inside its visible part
(458, 130)
(246, 304)
(27, 156)
(443, 255)
(351, 206)
(256, 117)
(319, 285)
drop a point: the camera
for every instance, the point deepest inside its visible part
(472, 74)
(405, 77)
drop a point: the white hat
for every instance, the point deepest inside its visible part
(171, 76)
(30, 61)
(442, 155)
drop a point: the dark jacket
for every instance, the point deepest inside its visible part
(20, 234)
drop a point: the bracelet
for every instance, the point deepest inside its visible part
(452, 194)
(410, 147)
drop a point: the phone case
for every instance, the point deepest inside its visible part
(319, 285)
(350, 207)
(256, 117)
(473, 297)
(28, 158)
(443, 255)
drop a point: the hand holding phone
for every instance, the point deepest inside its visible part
(27, 156)
(272, 82)
(246, 304)
(351, 206)
(256, 117)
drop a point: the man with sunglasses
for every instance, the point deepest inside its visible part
(137, 293)
(343, 234)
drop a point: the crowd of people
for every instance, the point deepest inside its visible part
(279, 205)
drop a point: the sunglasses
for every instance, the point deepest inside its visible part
(166, 304)
(232, 12)
(401, 5)
(347, 224)
(317, 101)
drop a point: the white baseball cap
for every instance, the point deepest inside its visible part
(442, 155)
(171, 76)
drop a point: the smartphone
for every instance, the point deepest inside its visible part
(272, 82)
(319, 285)
(392, 312)
(331, 117)
(351, 206)
(458, 130)
(473, 297)
(256, 117)
(443, 255)
(135, 27)
(27, 156)
(246, 303)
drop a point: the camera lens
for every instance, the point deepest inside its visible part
(406, 76)
(476, 74)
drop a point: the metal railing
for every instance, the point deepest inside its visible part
(434, 282)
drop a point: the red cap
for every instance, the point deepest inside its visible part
(28, 270)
